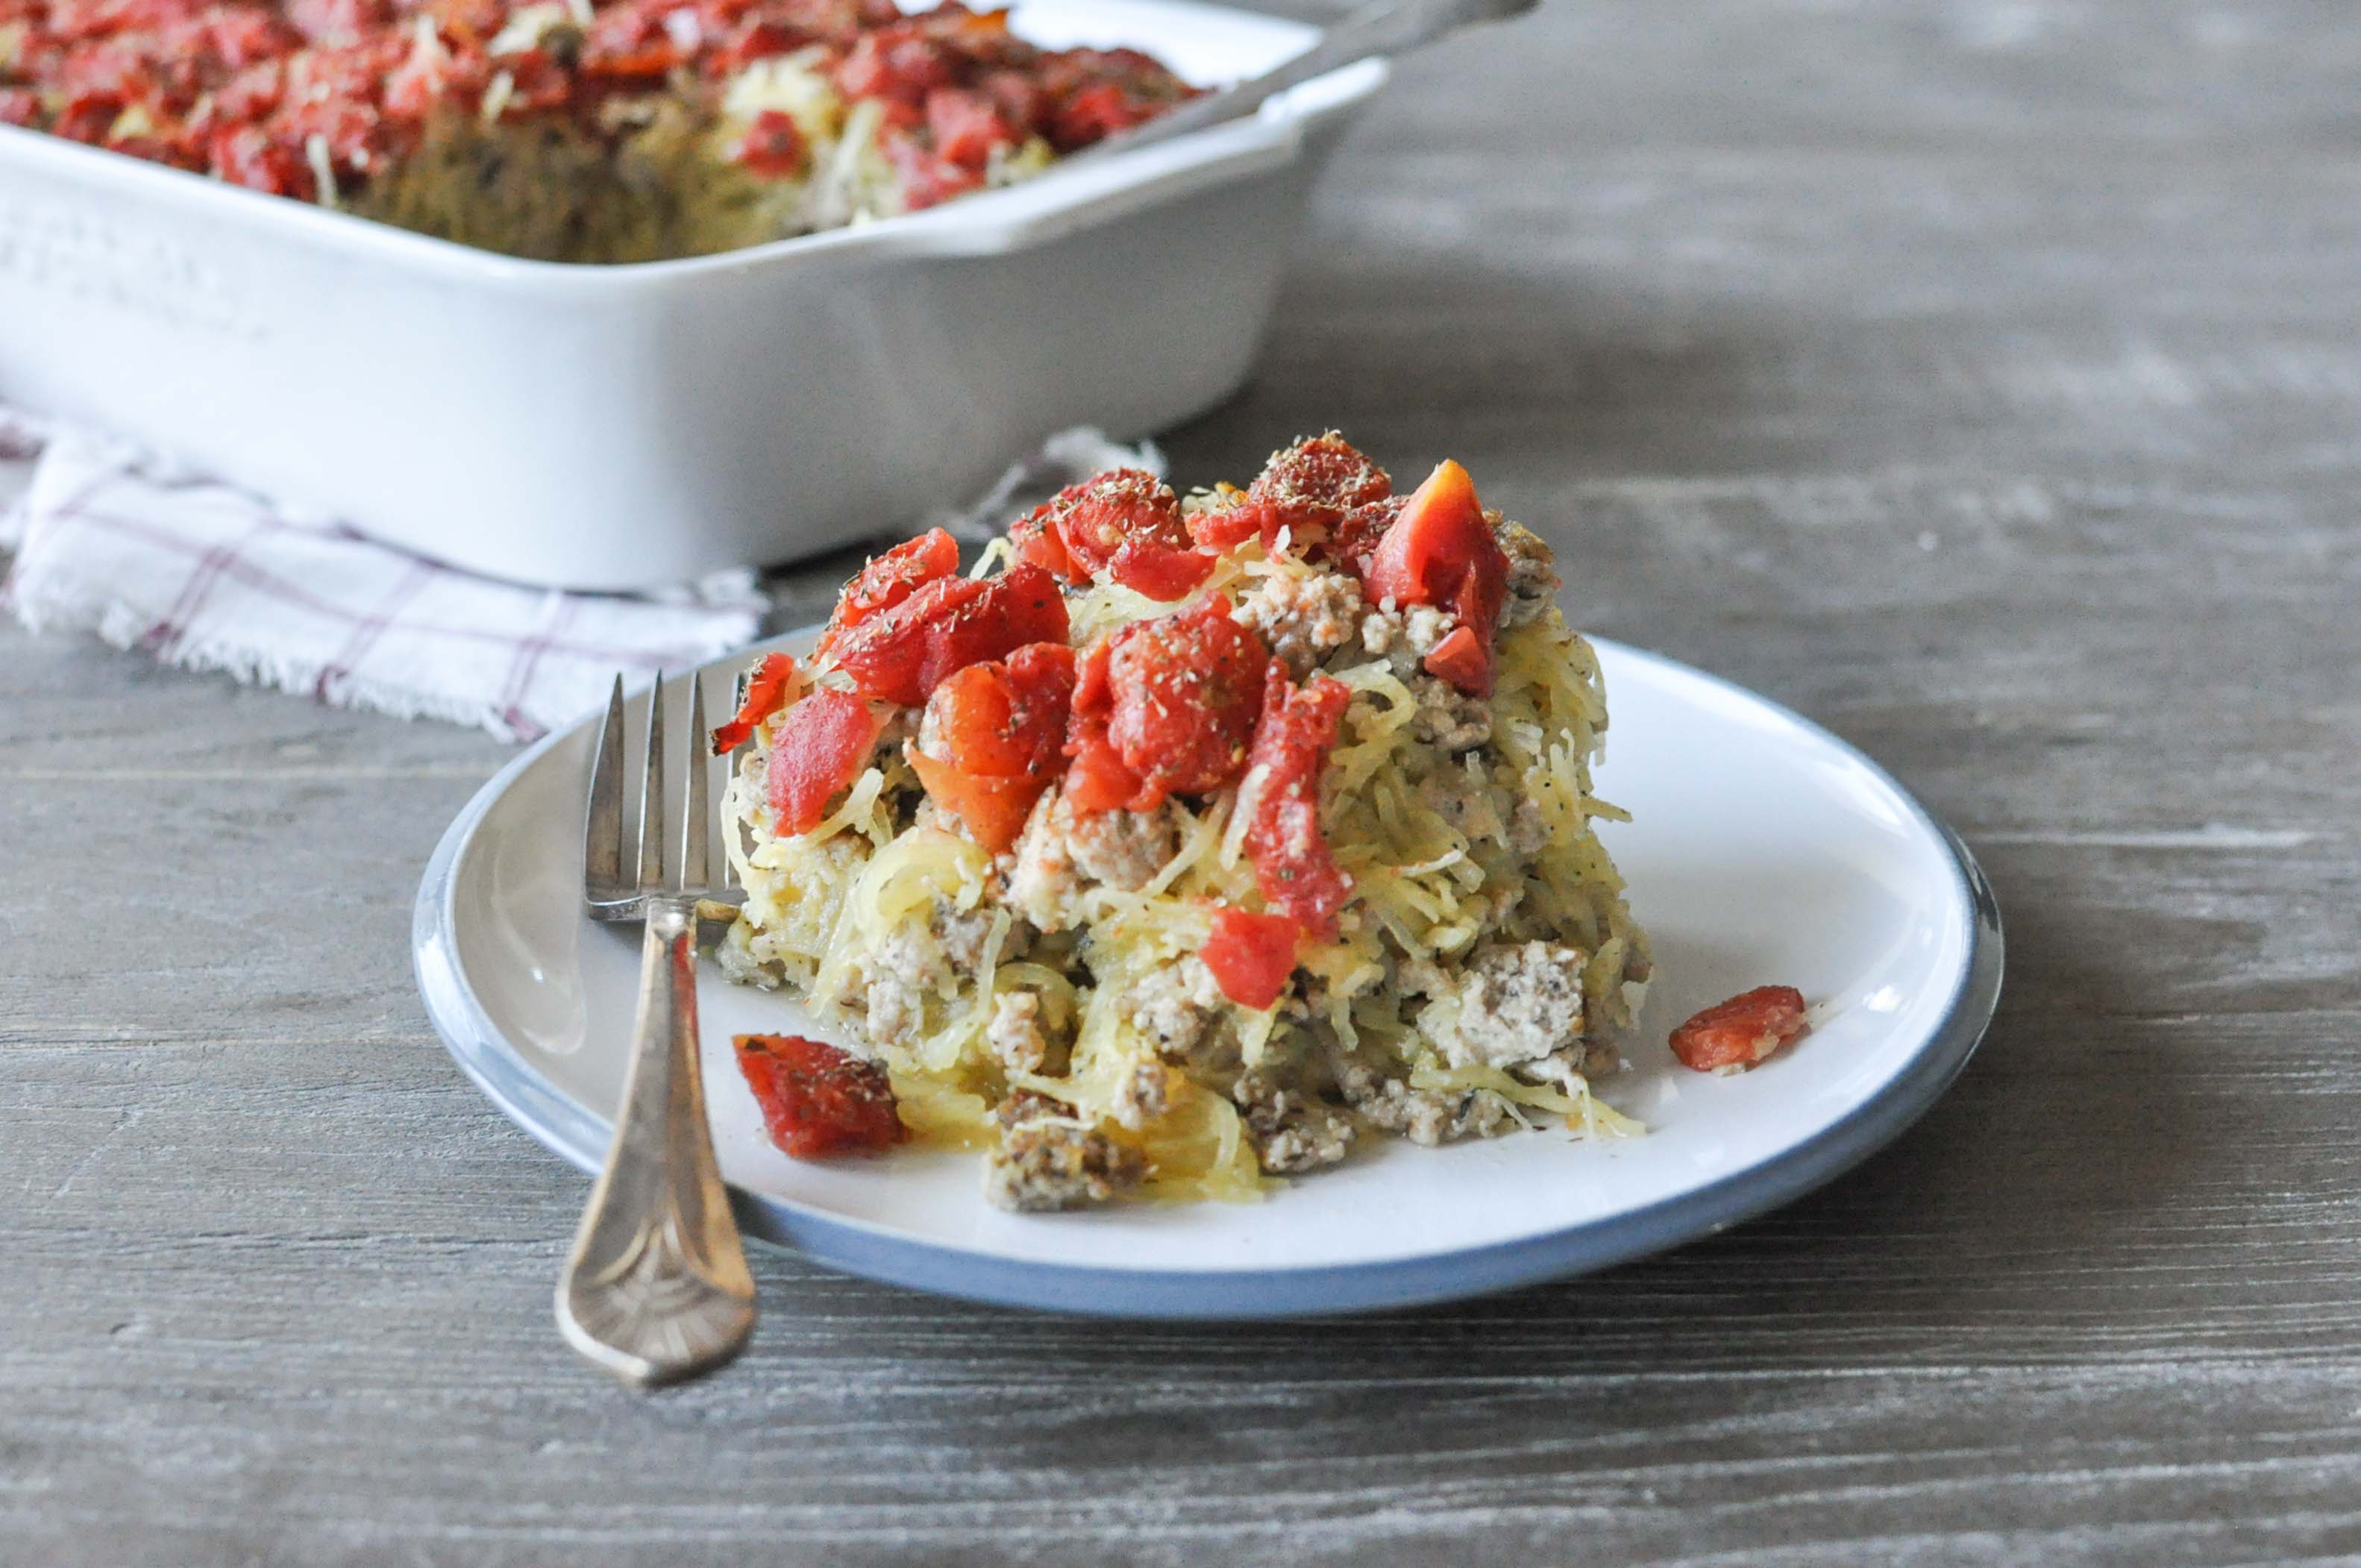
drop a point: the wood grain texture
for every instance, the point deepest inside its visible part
(1980, 378)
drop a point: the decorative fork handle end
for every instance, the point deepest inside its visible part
(656, 1288)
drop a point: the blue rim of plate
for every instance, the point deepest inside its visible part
(879, 1252)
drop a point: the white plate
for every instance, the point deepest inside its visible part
(1765, 850)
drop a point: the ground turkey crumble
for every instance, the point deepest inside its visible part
(1515, 1005)
(1060, 855)
(1179, 1009)
(1293, 1131)
(1304, 619)
(1046, 1161)
(1426, 1116)
(1015, 1032)
(1533, 581)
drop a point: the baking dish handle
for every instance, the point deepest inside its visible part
(1066, 202)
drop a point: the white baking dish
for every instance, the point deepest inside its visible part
(615, 427)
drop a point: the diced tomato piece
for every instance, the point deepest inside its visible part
(338, 21)
(1462, 659)
(928, 178)
(1016, 97)
(763, 38)
(1308, 490)
(1440, 552)
(965, 126)
(168, 151)
(1157, 571)
(894, 62)
(1319, 479)
(87, 118)
(428, 78)
(1034, 540)
(891, 655)
(892, 577)
(1097, 778)
(635, 38)
(1352, 543)
(651, 57)
(19, 105)
(247, 156)
(1098, 517)
(1184, 692)
(537, 82)
(903, 653)
(816, 753)
(1092, 114)
(992, 740)
(1741, 1032)
(817, 1100)
(242, 36)
(1003, 719)
(1124, 524)
(1292, 866)
(1236, 524)
(775, 684)
(1251, 955)
(773, 147)
(993, 810)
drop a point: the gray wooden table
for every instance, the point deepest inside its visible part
(1980, 378)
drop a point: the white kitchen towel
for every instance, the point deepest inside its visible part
(205, 576)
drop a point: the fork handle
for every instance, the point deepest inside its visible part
(656, 1288)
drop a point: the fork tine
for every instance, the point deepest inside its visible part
(696, 857)
(602, 823)
(652, 797)
(730, 862)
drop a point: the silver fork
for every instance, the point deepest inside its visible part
(656, 1288)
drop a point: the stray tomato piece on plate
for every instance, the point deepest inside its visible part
(1251, 955)
(903, 653)
(1738, 1034)
(818, 1101)
(991, 738)
(1440, 552)
(1186, 690)
(1292, 866)
(819, 749)
(775, 684)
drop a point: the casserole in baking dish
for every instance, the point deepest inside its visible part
(621, 426)
(574, 130)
